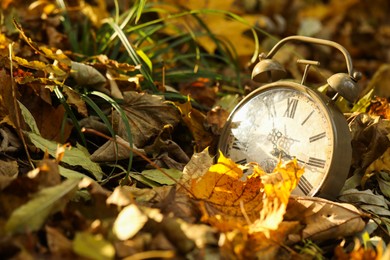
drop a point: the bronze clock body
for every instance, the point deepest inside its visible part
(286, 120)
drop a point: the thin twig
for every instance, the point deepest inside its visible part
(16, 106)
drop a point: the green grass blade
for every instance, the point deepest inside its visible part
(125, 120)
(70, 113)
(133, 54)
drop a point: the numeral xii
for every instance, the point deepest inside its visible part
(291, 107)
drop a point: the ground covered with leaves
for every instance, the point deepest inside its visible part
(111, 111)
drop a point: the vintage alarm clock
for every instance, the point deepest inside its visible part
(285, 120)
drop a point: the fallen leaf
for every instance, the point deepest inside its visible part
(87, 76)
(93, 246)
(8, 172)
(112, 151)
(355, 196)
(383, 179)
(194, 120)
(48, 53)
(323, 219)
(379, 165)
(201, 90)
(157, 176)
(196, 168)
(32, 215)
(121, 196)
(75, 156)
(379, 107)
(42, 112)
(129, 221)
(57, 242)
(39, 65)
(380, 81)
(369, 139)
(216, 119)
(46, 174)
(8, 109)
(226, 201)
(147, 115)
(73, 98)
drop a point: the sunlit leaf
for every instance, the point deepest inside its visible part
(76, 156)
(129, 221)
(38, 65)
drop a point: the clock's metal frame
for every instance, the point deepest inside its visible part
(345, 84)
(334, 179)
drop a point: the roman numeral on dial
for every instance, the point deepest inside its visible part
(317, 137)
(304, 185)
(291, 107)
(242, 161)
(316, 162)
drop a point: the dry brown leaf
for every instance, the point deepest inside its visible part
(202, 90)
(48, 118)
(147, 115)
(73, 98)
(194, 119)
(8, 108)
(216, 119)
(323, 219)
(196, 168)
(8, 172)
(380, 164)
(379, 107)
(111, 151)
(58, 243)
(369, 139)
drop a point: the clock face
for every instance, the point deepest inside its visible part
(282, 123)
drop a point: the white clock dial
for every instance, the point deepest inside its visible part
(283, 123)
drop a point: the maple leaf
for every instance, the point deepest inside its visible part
(256, 204)
(277, 188)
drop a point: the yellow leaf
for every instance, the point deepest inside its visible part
(277, 187)
(38, 65)
(227, 200)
